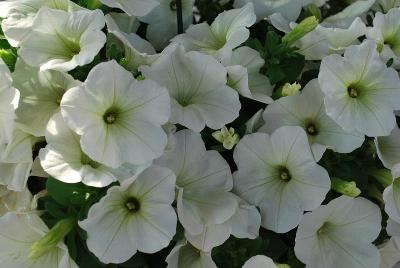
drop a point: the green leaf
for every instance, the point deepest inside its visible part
(55, 210)
(67, 194)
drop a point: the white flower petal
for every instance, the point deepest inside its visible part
(388, 148)
(259, 261)
(185, 255)
(212, 236)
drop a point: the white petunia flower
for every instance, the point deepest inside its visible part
(19, 16)
(391, 195)
(137, 51)
(361, 93)
(388, 148)
(386, 33)
(64, 159)
(263, 8)
(325, 39)
(41, 93)
(14, 201)
(135, 8)
(278, 174)
(197, 86)
(340, 234)
(307, 110)
(18, 233)
(162, 22)
(184, 255)
(16, 160)
(61, 40)
(228, 31)
(134, 216)
(203, 179)
(118, 117)
(345, 17)
(243, 75)
(259, 261)
(385, 5)
(9, 98)
(390, 253)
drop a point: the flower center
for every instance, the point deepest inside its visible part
(353, 92)
(323, 229)
(132, 204)
(311, 129)
(110, 116)
(284, 174)
(172, 5)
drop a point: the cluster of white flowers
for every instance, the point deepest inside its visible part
(167, 139)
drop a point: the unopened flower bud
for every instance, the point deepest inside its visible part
(52, 238)
(8, 57)
(290, 89)
(303, 28)
(228, 138)
(348, 188)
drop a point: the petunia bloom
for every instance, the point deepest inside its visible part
(385, 32)
(278, 174)
(228, 31)
(61, 40)
(197, 86)
(64, 159)
(134, 216)
(203, 179)
(340, 234)
(118, 117)
(361, 93)
(18, 16)
(41, 92)
(307, 110)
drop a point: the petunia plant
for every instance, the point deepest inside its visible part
(199, 133)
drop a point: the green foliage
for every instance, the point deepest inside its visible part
(235, 252)
(282, 62)
(7, 52)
